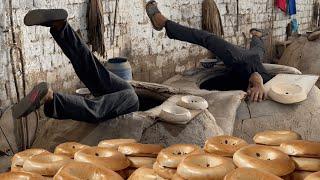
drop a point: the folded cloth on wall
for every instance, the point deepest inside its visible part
(211, 18)
(292, 9)
(294, 25)
(282, 4)
(96, 28)
(287, 6)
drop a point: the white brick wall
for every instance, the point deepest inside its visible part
(153, 56)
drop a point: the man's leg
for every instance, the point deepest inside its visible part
(116, 96)
(226, 51)
(88, 68)
(257, 46)
(99, 80)
(91, 110)
(78, 108)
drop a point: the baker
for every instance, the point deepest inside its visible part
(246, 71)
(113, 96)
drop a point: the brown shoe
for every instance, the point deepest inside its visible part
(157, 19)
(314, 36)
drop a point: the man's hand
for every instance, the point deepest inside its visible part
(256, 91)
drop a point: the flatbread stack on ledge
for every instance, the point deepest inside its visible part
(275, 155)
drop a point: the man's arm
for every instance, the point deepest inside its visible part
(256, 91)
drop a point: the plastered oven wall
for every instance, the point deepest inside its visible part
(153, 56)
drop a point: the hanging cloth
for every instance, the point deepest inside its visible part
(282, 4)
(292, 9)
(96, 26)
(294, 25)
(211, 19)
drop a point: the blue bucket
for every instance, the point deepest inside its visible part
(121, 67)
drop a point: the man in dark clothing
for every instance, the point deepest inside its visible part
(113, 96)
(246, 71)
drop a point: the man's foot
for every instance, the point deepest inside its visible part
(37, 97)
(157, 19)
(45, 17)
(314, 36)
(257, 32)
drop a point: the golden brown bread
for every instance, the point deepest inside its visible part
(204, 166)
(172, 156)
(301, 148)
(140, 150)
(250, 174)
(115, 143)
(307, 164)
(224, 145)
(103, 157)
(82, 170)
(45, 164)
(264, 158)
(313, 176)
(69, 149)
(21, 176)
(166, 173)
(275, 138)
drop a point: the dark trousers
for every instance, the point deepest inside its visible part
(113, 96)
(240, 62)
(227, 52)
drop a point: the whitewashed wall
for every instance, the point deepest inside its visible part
(153, 56)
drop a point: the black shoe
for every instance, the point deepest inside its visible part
(31, 102)
(45, 17)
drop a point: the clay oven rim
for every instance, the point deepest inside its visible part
(194, 78)
(150, 93)
(205, 77)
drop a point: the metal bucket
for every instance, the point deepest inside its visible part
(121, 67)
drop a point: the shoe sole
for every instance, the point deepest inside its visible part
(20, 109)
(150, 15)
(42, 16)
